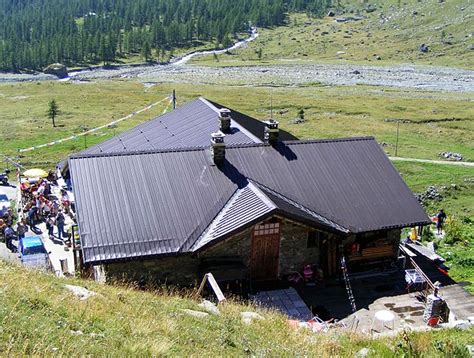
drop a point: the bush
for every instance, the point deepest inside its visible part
(427, 234)
(457, 230)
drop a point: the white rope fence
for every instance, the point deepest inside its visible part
(98, 128)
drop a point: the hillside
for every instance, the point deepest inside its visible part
(384, 32)
(40, 317)
(36, 33)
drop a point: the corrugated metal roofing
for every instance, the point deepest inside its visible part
(187, 126)
(296, 210)
(147, 204)
(253, 125)
(160, 202)
(349, 181)
(247, 205)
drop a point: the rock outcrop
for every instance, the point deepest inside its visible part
(56, 69)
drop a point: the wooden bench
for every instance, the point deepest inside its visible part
(374, 253)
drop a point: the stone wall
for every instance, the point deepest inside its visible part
(184, 269)
(237, 246)
(294, 252)
(180, 270)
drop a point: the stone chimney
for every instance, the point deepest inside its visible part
(224, 120)
(218, 148)
(271, 131)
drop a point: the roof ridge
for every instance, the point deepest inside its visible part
(229, 146)
(290, 201)
(209, 104)
(329, 140)
(204, 239)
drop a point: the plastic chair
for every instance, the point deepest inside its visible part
(384, 317)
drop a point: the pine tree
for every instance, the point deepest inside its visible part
(53, 111)
(146, 51)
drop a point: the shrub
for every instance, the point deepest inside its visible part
(457, 230)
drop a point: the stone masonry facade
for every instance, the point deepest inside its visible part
(184, 269)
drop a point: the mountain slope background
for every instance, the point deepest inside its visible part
(383, 32)
(35, 33)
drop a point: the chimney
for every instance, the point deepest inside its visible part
(224, 120)
(218, 148)
(271, 131)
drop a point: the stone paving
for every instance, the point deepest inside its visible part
(407, 310)
(56, 248)
(287, 301)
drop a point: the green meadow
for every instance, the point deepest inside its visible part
(428, 123)
(391, 34)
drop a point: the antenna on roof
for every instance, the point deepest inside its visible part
(271, 105)
(174, 99)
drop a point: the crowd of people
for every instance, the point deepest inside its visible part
(37, 205)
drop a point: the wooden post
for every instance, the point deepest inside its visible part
(209, 277)
(174, 99)
(398, 132)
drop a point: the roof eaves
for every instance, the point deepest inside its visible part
(206, 237)
(323, 219)
(399, 226)
(136, 152)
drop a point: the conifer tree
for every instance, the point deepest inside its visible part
(53, 111)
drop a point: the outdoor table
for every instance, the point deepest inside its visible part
(412, 278)
(384, 317)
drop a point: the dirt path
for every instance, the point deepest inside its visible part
(401, 76)
(420, 78)
(467, 164)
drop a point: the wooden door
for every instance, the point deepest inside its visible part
(264, 258)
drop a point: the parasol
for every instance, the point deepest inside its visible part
(35, 173)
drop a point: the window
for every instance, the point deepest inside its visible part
(267, 229)
(314, 237)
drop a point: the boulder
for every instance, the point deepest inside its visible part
(197, 314)
(209, 307)
(56, 69)
(424, 48)
(370, 8)
(364, 352)
(81, 292)
(248, 317)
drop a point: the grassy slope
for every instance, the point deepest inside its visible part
(458, 203)
(40, 317)
(329, 112)
(392, 32)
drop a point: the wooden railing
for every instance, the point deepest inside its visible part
(429, 287)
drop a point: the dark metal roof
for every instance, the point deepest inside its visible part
(349, 181)
(236, 214)
(253, 125)
(252, 204)
(187, 126)
(162, 202)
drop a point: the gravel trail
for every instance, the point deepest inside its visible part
(425, 78)
(401, 76)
